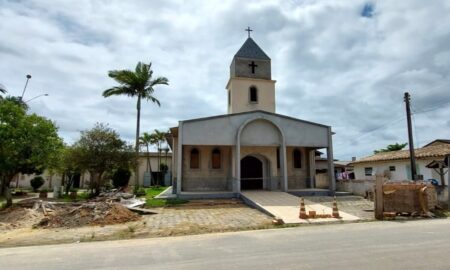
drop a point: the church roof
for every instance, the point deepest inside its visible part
(251, 50)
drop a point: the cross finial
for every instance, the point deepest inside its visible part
(248, 30)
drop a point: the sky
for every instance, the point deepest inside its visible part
(345, 64)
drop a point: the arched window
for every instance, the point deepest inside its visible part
(253, 94)
(216, 159)
(297, 158)
(195, 159)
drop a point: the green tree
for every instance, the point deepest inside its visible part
(27, 142)
(391, 147)
(158, 137)
(139, 84)
(2, 91)
(100, 150)
(146, 140)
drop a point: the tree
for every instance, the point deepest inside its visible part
(158, 137)
(138, 84)
(100, 150)
(27, 142)
(18, 101)
(146, 139)
(391, 147)
(2, 91)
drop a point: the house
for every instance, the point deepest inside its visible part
(82, 180)
(251, 147)
(395, 165)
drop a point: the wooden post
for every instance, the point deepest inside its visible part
(379, 196)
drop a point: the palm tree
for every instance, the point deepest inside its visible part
(138, 83)
(146, 139)
(158, 138)
(2, 90)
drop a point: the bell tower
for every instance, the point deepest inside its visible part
(250, 86)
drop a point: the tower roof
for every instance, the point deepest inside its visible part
(251, 50)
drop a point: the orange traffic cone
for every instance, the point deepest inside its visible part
(335, 209)
(303, 214)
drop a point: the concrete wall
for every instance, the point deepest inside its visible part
(261, 132)
(356, 187)
(240, 95)
(205, 178)
(223, 130)
(52, 180)
(297, 176)
(400, 172)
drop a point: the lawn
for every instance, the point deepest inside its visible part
(152, 192)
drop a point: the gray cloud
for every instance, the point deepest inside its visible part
(333, 64)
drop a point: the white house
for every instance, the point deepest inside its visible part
(395, 165)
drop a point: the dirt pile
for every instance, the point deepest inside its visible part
(94, 213)
(19, 217)
(45, 214)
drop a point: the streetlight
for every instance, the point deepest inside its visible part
(36, 97)
(25, 88)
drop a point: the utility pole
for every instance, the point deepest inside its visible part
(412, 156)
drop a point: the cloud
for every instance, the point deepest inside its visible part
(342, 63)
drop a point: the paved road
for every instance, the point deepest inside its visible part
(376, 245)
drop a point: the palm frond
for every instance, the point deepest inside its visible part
(119, 90)
(159, 80)
(154, 100)
(123, 77)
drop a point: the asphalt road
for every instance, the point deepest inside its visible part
(376, 245)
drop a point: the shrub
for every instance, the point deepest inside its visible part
(121, 177)
(36, 183)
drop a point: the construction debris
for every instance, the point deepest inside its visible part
(109, 208)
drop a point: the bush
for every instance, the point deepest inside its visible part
(36, 183)
(121, 177)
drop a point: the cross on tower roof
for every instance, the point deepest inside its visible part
(248, 30)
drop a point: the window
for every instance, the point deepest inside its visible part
(195, 159)
(297, 158)
(278, 158)
(368, 171)
(253, 95)
(392, 168)
(216, 159)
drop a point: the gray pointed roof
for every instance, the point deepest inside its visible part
(251, 50)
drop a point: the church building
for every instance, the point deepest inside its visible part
(251, 147)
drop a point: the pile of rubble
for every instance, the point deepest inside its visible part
(108, 208)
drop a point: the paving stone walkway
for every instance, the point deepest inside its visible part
(286, 206)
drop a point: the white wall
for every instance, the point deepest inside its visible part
(400, 172)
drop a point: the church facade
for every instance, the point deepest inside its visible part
(251, 147)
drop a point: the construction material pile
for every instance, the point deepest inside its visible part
(109, 208)
(90, 213)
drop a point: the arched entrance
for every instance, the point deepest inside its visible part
(251, 173)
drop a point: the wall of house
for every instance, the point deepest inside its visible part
(52, 180)
(205, 178)
(297, 177)
(400, 172)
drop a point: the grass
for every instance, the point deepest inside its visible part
(81, 196)
(152, 192)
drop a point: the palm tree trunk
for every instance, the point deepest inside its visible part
(138, 122)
